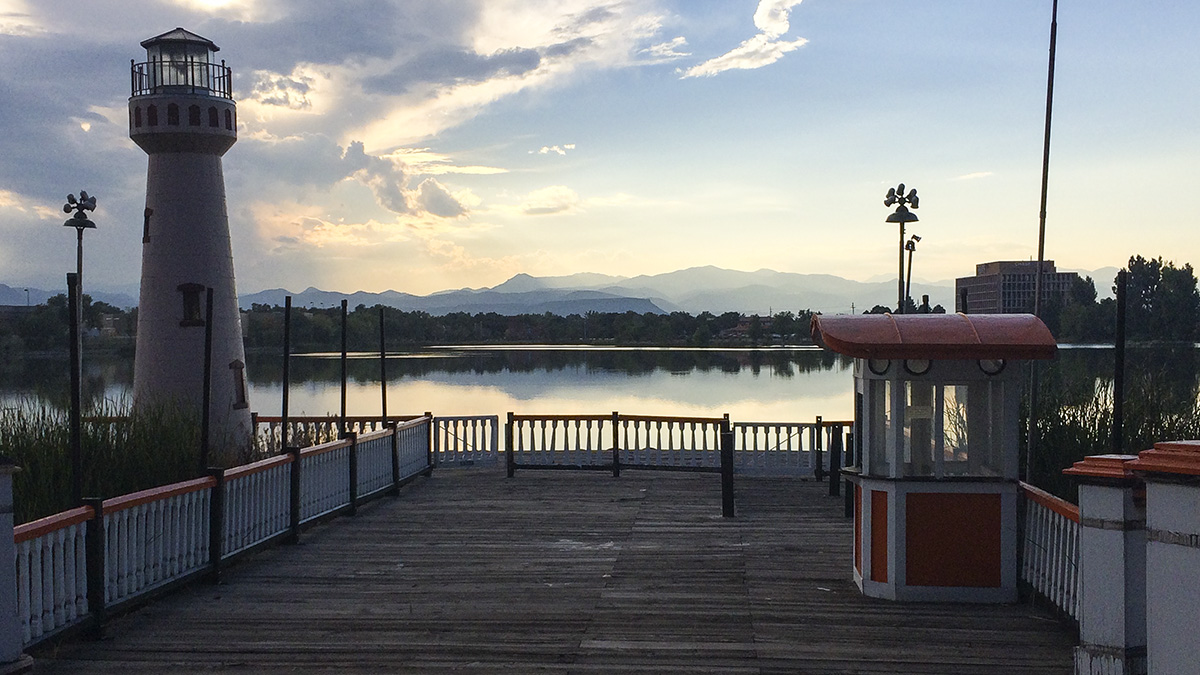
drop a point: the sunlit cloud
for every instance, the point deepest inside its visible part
(556, 149)
(771, 19)
(16, 20)
(424, 161)
(551, 200)
(974, 176)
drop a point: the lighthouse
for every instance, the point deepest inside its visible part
(182, 114)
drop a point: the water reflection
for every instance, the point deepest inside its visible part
(751, 385)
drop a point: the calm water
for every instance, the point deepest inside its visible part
(750, 385)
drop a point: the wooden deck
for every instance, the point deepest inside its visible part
(557, 572)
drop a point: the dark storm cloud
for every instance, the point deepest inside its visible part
(569, 47)
(445, 66)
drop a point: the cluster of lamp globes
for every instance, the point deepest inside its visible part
(896, 196)
(84, 203)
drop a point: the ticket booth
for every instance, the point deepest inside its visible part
(937, 416)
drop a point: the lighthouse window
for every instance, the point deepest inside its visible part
(191, 305)
(213, 118)
(137, 116)
(229, 120)
(173, 114)
(194, 116)
(238, 369)
(152, 115)
(146, 224)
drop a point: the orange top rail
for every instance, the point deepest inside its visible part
(1060, 506)
(157, 494)
(43, 526)
(257, 467)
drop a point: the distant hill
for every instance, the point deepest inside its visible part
(10, 295)
(693, 290)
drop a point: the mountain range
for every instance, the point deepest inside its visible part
(693, 290)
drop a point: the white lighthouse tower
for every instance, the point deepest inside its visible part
(181, 112)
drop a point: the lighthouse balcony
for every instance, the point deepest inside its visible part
(190, 76)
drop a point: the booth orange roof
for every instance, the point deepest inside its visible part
(935, 336)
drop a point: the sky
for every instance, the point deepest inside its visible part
(423, 145)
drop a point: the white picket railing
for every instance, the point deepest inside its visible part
(52, 572)
(325, 479)
(466, 440)
(309, 430)
(1050, 548)
(154, 537)
(761, 448)
(257, 503)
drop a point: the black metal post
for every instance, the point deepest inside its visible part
(908, 281)
(94, 552)
(1118, 424)
(342, 421)
(382, 367)
(206, 383)
(510, 459)
(395, 491)
(835, 462)
(216, 526)
(294, 502)
(287, 377)
(429, 461)
(727, 496)
(73, 302)
(616, 449)
(817, 448)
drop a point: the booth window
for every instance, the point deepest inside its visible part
(238, 370)
(192, 314)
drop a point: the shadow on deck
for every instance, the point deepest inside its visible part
(567, 573)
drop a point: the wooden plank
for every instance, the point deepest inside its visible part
(568, 573)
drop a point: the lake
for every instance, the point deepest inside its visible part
(766, 384)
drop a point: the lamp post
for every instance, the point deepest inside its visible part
(80, 222)
(911, 247)
(902, 215)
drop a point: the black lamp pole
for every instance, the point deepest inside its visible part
(902, 215)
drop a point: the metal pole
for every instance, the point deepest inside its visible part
(1118, 424)
(382, 367)
(900, 275)
(1031, 435)
(287, 379)
(908, 283)
(342, 423)
(206, 388)
(73, 302)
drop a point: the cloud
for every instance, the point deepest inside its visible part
(771, 19)
(433, 197)
(550, 200)
(280, 90)
(454, 66)
(556, 149)
(974, 176)
(667, 51)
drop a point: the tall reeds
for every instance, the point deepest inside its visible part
(123, 451)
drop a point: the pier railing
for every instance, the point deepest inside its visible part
(686, 443)
(74, 567)
(1050, 548)
(309, 430)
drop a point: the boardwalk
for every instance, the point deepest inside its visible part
(566, 573)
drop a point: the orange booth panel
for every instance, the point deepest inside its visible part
(952, 539)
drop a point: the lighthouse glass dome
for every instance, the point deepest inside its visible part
(180, 60)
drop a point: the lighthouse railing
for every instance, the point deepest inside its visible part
(188, 76)
(75, 567)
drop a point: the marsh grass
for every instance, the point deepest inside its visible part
(1156, 409)
(123, 451)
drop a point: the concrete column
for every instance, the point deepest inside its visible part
(1172, 474)
(1112, 568)
(11, 643)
